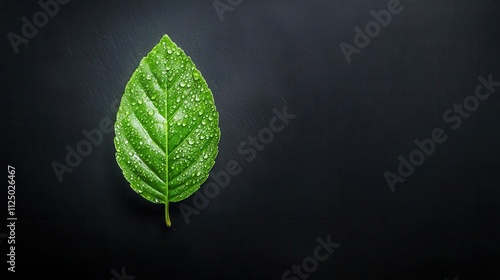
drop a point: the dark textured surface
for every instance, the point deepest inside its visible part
(322, 175)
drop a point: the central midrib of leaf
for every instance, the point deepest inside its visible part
(167, 216)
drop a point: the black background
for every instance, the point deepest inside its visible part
(322, 176)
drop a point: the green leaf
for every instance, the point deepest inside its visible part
(167, 127)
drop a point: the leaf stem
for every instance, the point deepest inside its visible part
(167, 216)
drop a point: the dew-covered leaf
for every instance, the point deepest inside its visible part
(167, 127)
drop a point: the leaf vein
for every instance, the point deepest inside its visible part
(134, 149)
(147, 132)
(193, 162)
(189, 134)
